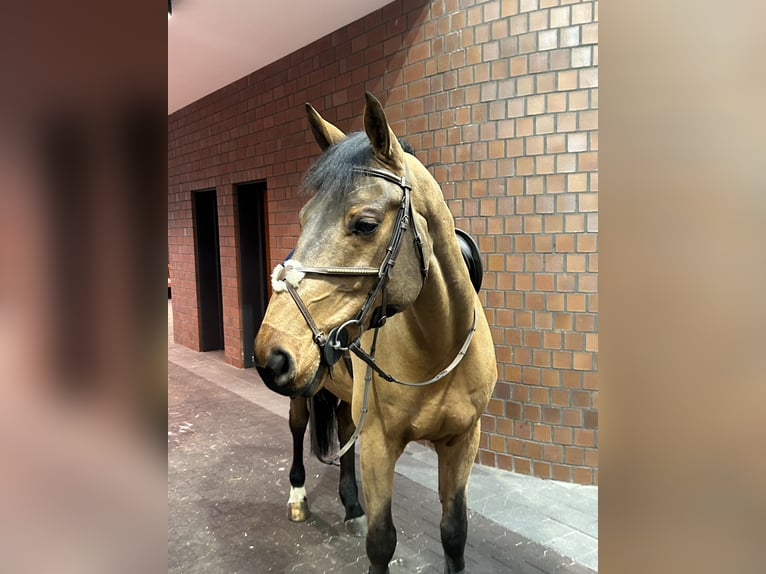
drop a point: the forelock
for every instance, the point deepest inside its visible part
(332, 174)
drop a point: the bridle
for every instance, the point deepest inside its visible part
(338, 342)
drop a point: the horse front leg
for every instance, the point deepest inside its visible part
(455, 462)
(297, 505)
(355, 520)
(377, 462)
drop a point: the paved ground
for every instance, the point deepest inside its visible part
(228, 459)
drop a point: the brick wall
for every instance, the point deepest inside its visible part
(499, 99)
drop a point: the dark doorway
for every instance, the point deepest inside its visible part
(208, 258)
(253, 271)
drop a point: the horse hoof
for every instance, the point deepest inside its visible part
(298, 511)
(357, 526)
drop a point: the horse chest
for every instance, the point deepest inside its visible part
(424, 417)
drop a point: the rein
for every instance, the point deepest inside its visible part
(371, 364)
(336, 343)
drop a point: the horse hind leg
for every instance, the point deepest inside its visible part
(297, 505)
(355, 520)
(455, 463)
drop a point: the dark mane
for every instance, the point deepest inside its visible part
(332, 175)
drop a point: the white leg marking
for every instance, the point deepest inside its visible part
(297, 494)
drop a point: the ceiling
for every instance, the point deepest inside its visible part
(212, 43)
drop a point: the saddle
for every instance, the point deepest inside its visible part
(472, 257)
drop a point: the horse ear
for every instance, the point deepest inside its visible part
(324, 132)
(385, 144)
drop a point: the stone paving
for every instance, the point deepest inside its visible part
(228, 461)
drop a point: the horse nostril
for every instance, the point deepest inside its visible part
(280, 364)
(278, 371)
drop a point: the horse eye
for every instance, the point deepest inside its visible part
(364, 227)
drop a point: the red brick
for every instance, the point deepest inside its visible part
(582, 475)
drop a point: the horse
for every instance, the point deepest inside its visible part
(378, 281)
(326, 412)
(327, 409)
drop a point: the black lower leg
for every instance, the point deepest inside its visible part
(299, 417)
(381, 541)
(348, 490)
(454, 532)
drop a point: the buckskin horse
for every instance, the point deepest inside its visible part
(377, 279)
(329, 417)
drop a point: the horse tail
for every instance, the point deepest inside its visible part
(324, 425)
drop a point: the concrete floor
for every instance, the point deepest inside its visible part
(228, 460)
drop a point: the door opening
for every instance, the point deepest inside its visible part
(253, 261)
(207, 253)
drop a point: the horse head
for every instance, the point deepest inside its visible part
(363, 252)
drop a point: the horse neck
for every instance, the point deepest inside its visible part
(446, 302)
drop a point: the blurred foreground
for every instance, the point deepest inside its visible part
(82, 304)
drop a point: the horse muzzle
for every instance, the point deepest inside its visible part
(278, 371)
(278, 374)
